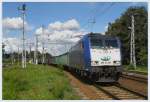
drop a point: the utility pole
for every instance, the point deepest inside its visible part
(3, 51)
(132, 43)
(12, 58)
(43, 44)
(92, 23)
(23, 9)
(43, 53)
(36, 49)
(30, 50)
(18, 54)
(30, 45)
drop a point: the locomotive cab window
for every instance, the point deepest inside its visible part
(96, 43)
(111, 43)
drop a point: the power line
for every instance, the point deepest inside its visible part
(92, 22)
(105, 10)
(92, 11)
(94, 18)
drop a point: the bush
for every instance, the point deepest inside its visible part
(130, 67)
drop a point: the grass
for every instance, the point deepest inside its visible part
(36, 82)
(139, 69)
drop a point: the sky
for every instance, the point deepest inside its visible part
(62, 22)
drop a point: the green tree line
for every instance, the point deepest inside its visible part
(121, 29)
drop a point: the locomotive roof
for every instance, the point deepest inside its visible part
(99, 35)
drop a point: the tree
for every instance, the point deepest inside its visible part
(120, 28)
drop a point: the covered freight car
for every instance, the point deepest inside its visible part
(62, 59)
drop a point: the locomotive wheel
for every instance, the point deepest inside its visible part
(118, 76)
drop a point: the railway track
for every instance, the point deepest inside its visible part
(135, 77)
(108, 91)
(118, 92)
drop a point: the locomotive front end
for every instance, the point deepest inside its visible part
(105, 55)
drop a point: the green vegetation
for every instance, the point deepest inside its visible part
(36, 82)
(121, 29)
(139, 69)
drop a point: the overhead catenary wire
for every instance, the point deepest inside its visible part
(92, 21)
(93, 11)
(95, 15)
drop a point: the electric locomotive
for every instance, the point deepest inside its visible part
(95, 56)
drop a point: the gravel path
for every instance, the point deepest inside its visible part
(85, 90)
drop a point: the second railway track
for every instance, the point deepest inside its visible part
(107, 91)
(135, 77)
(118, 92)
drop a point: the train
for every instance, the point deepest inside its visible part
(95, 56)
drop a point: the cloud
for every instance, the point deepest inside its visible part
(11, 44)
(68, 25)
(56, 26)
(106, 27)
(39, 31)
(58, 30)
(60, 35)
(71, 25)
(64, 40)
(15, 23)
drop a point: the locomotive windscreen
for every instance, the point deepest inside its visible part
(111, 43)
(96, 43)
(99, 41)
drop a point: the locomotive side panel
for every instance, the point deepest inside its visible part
(86, 53)
(76, 56)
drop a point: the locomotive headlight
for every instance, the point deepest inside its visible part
(116, 62)
(94, 62)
